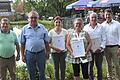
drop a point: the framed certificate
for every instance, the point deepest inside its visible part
(59, 42)
(78, 48)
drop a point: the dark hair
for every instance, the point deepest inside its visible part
(57, 18)
(108, 10)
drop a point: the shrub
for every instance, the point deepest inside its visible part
(21, 72)
(47, 24)
(69, 72)
(49, 71)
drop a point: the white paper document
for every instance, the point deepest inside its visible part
(78, 48)
(59, 42)
(83, 60)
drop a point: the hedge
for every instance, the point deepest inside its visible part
(47, 24)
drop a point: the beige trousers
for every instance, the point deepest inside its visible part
(7, 64)
(112, 59)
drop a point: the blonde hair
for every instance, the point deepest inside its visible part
(78, 19)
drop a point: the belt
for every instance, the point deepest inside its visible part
(6, 58)
(35, 52)
(111, 45)
(63, 51)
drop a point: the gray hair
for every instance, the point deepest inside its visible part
(33, 12)
(94, 14)
(5, 19)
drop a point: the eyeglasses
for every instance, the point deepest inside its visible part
(33, 17)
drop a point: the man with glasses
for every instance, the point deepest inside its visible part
(34, 46)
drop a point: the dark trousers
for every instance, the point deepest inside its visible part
(84, 68)
(98, 59)
(59, 61)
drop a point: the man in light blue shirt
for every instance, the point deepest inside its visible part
(34, 46)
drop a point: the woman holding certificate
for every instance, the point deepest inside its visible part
(79, 45)
(57, 43)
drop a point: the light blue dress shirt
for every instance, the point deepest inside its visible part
(34, 39)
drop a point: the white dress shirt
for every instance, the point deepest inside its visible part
(112, 30)
(97, 36)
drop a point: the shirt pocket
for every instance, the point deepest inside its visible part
(40, 36)
(29, 35)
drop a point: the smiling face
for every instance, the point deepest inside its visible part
(93, 18)
(4, 24)
(57, 23)
(78, 25)
(108, 16)
(33, 18)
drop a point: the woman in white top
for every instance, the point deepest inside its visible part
(57, 43)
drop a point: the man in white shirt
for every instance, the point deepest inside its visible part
(98, 37)
(112, 50)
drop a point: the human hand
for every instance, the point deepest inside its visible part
(23, 58)
(118, 51)
(58, 50)
(98, 51)
(17, 58)
(71, 54)
(47, 54)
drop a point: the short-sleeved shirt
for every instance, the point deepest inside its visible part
(7, 44)
(53, 34)
(34, 39)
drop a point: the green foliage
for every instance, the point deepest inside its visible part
(19, 23)
(46, 8)
(104, 71)
(49, 71)
(48, 24)
(69, 72)
(21, 72)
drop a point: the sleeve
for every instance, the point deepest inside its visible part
(15, 38)
(118, 34)
(103, 37)
(22, 38)
(46, 37)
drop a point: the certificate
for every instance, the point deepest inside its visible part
(59, 42)
(78, 48)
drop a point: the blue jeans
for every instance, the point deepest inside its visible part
(36, 61)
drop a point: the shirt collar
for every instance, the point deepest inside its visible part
(29, 27)
(110, 22)
(8, 32)
(95, 25)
